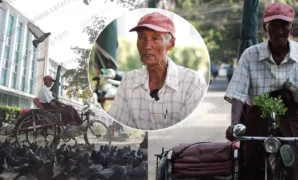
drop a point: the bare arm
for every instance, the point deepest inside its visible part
(237, 107)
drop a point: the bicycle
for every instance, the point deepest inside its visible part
(39, 121)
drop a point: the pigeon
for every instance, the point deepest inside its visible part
(86, 2)
(38, 34)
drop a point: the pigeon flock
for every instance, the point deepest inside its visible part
(72, 162)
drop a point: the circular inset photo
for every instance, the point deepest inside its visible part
(149, 69)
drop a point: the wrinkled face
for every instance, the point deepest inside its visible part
(153, 46)
(278, 31)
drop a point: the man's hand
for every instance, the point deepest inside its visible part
(229, 133)
(53, 104)
(55, 101)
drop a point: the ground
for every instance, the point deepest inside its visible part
(134, 143)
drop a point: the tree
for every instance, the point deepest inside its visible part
(77, 78)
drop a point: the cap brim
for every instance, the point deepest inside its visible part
(285, 18)
(150, 26)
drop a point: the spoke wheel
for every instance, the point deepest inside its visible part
(98, 134)
(44, 135)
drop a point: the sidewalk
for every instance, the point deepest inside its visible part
(207, 123)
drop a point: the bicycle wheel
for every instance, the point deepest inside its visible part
(42, 132)
(98, 134)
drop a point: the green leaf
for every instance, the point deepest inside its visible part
(269, 105)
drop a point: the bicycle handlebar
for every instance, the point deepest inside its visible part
(260, 138)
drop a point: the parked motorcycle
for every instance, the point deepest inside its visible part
(280, 154)
(107, 68)
(109, 89)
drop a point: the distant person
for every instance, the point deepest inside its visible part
(230, 72)
(163, 93)
(214, 70)
(70, 115)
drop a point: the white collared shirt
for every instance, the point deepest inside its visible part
(134, 107)
(45, 94)
(257, 73)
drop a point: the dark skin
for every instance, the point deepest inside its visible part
(278, 32)
(156, 45)
(49, 83)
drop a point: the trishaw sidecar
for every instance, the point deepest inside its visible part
(48, 127)
(199, 161)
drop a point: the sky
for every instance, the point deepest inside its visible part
(70, 18)
(66, 23)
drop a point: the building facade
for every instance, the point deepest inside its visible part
(22, 67)
(19, 69)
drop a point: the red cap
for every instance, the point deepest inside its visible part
(279, 11)
(48, 78)
(157, 22)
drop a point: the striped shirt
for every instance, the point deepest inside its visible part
(257, 73)
(134, 107)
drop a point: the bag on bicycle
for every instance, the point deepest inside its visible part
(204, 159)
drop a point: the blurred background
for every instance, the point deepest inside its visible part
(219, 23)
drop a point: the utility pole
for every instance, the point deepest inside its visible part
(108, 40)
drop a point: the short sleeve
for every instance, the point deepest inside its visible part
(240, 82)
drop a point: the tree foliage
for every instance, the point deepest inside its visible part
(77, 78)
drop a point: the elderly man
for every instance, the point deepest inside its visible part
(47, 100)
(163, 93)
(266, 67)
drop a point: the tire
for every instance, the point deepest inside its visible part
(27, 118)
(90, 130)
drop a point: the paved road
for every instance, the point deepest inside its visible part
(207, 123)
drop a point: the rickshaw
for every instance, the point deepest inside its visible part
(48, 124)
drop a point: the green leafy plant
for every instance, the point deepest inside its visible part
(9, 113)
(270, 105)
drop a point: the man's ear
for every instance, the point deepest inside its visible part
(264, 27)
(293, 26)
(171, 44)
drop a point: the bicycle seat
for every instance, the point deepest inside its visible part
(25, 111)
